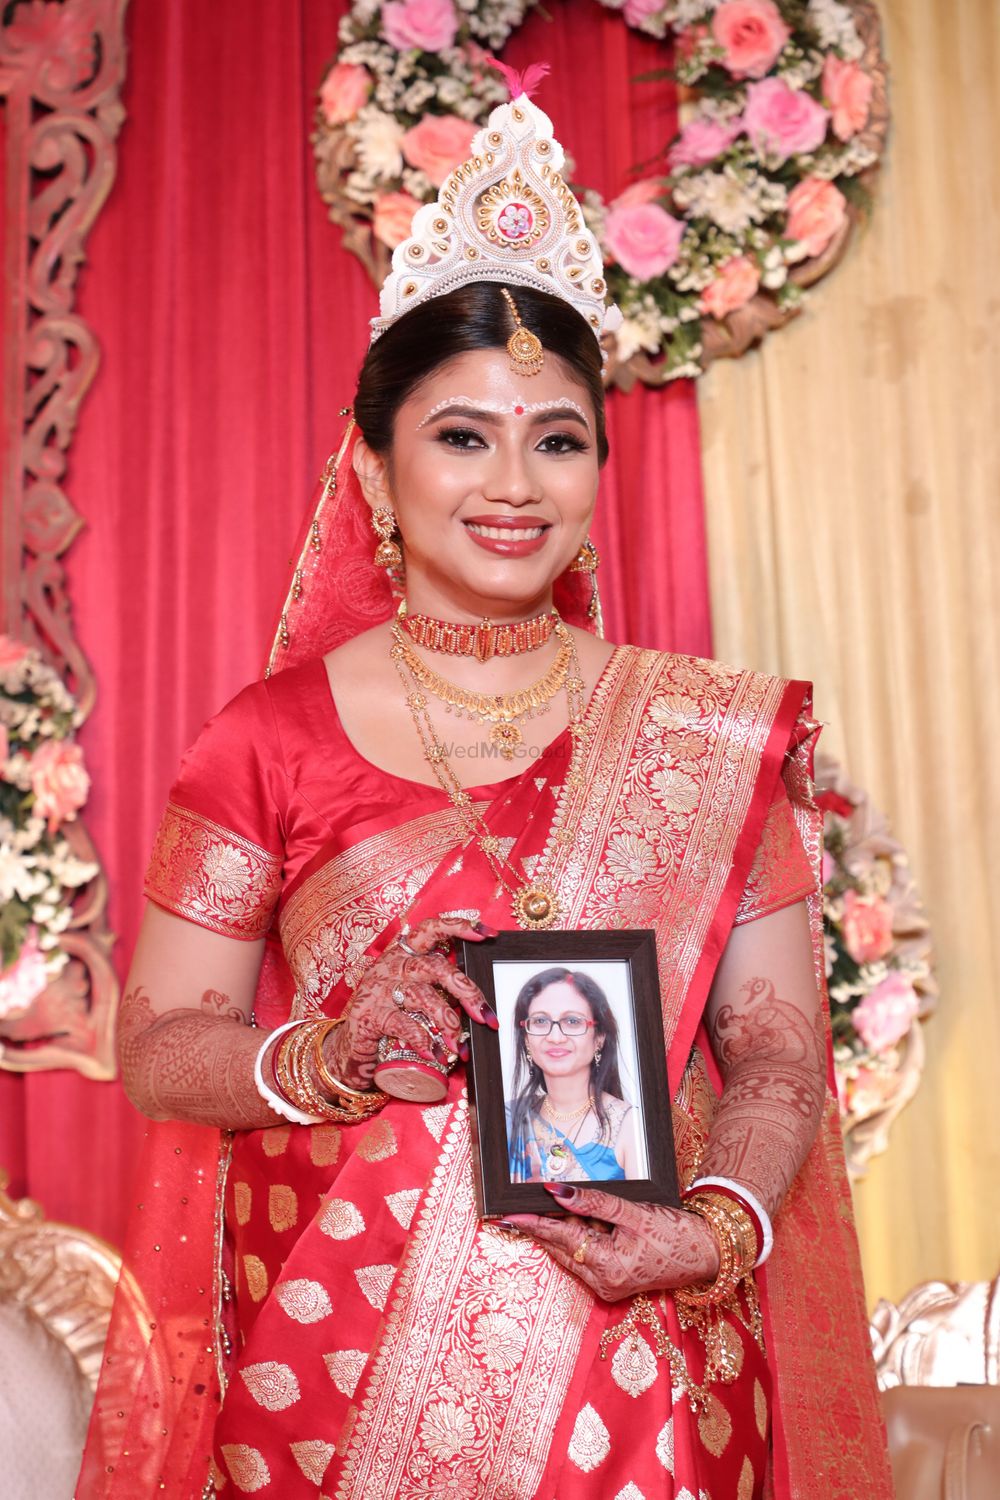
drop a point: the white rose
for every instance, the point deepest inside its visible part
(379, 144)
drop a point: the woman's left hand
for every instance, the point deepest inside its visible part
(646, 1249)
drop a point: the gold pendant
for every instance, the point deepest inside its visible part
(506, 737)
(535, 908)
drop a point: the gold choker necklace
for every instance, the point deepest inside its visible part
(482, 641)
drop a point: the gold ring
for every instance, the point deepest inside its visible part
(580, 1253)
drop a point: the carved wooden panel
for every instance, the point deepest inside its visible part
(61, 68)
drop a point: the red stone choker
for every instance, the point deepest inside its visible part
(481, 641)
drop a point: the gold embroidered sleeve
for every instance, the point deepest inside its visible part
(213, 876)
(781, 873)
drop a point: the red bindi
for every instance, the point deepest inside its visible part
(519, 411)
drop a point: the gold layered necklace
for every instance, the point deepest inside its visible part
(502, 711)
(535, 905)
(567, 1116)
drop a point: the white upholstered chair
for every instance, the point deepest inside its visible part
(56, 1289)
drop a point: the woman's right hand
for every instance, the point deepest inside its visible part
(399, 982)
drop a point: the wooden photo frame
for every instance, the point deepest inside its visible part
(518, 1139)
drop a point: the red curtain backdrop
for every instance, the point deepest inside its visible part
(232, 325)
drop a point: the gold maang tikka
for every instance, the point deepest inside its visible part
(524, 348)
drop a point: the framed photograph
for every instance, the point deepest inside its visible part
(573, 1086)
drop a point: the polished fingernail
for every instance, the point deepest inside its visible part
(560, 1190)
(463, 1051)
(506, 1224)
(485, 930)
(490, 1017)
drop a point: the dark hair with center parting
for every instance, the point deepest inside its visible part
(528, 1090)
(471, 317)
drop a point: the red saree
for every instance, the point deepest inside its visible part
(375, 1339)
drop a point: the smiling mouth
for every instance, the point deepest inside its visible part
(507, 533)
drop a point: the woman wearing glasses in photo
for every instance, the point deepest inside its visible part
(568, 1120)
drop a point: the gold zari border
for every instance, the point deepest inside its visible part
(210, 875)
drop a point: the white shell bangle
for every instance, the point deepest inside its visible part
(278, 1103)
(753, 1202)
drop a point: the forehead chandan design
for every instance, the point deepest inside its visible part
(508, 408)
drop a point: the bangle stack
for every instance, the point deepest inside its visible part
(733, 1293)
(293, 1078)
(748, 1201)
(736, 1237)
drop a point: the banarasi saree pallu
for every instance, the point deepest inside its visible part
(344, 1326)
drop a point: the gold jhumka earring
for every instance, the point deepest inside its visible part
(586, 560)
(387, 553)
(524, 348)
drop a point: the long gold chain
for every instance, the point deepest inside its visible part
(501, 710)
(535, 905)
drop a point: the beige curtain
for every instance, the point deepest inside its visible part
(853, 482)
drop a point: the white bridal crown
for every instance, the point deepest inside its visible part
(505, 215)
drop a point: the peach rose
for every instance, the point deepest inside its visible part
(886, 1013)
(12, 652)
(783, 121)
(701, 141)
(345, 89)
(867, 927)
(816, 210)
(751, 34)
(643, 238)
(735, 284)
(24, 980)
(427, 25)
(393, 217)
(847, 89)
(438, 145)
(646, 190)
(59, 781)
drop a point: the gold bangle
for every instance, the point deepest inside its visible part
(329, 1082)
(736, 1237)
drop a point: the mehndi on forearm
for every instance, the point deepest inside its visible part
(192, 1065)
(773, 1062)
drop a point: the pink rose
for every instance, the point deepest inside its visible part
(735, 284)
(701, 141)
(24, 980)
(867, 927)
(847, 89)
(782, 121)
(643, 238)
(829, 867)
(886, 1013)
(12, 652)
(345, 89)
(59, 781)
(393, 218)
(427, 25)
(438, 145)
(816, 210)
(637, 11)
(751, 34)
